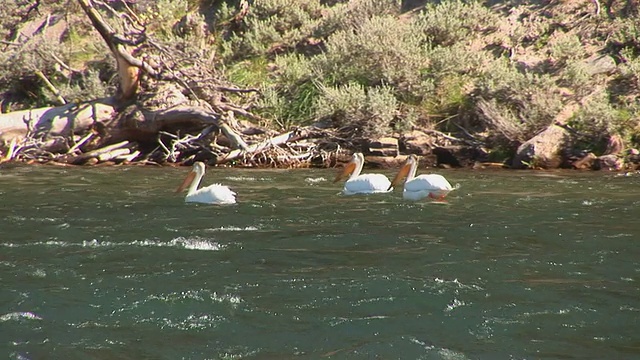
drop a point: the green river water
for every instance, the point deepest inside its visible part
(110, 263)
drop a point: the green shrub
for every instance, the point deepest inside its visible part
(598, 119)
(380, 51)
(564, 47)
(630, 68)
(273, 26)
(625, 33)
(451, 70)
(577, 77)
(287, 107)
(524, 102)
(162, 15)
(351, 14)
(368, 111)
(453, 21)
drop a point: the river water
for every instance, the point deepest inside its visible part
(109, 263)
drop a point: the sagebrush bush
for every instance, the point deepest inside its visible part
(367, 110)
(454, 21)
(564, 47)
(162, 15)
(578, 78)
(598, 119)
(630, 67)
(451, 72)
(274, 26)
(289, 97)
(625, 32)
(350, 14)
(88, 82)
(380, 51)
(530, 101)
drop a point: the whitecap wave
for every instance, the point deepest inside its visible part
(17, 316)
(315, 180)
(233, 228)
(246, 178)
(195, 244)
(454, 304)
(189, 243)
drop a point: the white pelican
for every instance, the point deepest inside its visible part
(362, 184)
(212, 194)
(419, 187)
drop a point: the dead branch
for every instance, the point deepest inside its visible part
(128, 70)
(81, 142)
(290, 136)
(236, 140)
(51, 87)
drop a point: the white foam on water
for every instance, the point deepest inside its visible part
(193, 322)
(233, 228)
(315, 180)
(197, 295)
(246, 178)
(17, 316)
(189, 243)
(454, 304)
(195, 244)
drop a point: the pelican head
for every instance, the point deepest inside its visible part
(197, 171)
(408, 170)
(353, 168)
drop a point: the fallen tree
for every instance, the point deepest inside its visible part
(182, 113)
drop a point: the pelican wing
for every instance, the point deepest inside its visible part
(430, 182)
(367, 184)
(213, 194)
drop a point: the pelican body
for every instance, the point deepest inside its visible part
(362, 184)
(212, 194)
(419, 187)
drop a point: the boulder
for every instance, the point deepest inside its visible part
(459, 156)
(416, 142)
(386, 146)
(542, 150)
(600, 64)
(609, 162)
(633, 156)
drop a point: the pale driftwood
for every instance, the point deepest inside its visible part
(236, 140)
(54, 121)
(128, 157)
(81, 142)
(51, 87)
(96, 153)
(109, 155)
(266, 144)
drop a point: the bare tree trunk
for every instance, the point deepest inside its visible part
(54, 121)
(129, 72)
